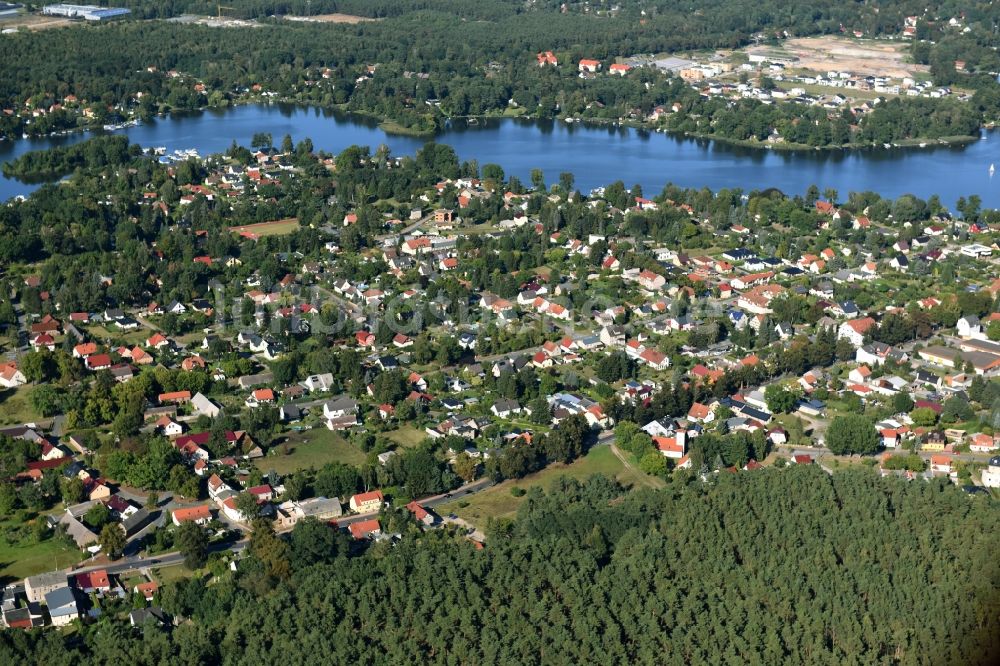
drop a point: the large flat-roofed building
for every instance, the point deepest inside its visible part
(86, 12)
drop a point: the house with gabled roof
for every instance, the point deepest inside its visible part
(854, 330)
(11, 376)
(365, 529)
(674, 446)
(655, 359)
(367, 502)
(200, 515)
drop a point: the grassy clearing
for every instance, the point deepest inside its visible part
(15, 406)
(19, 561)
(497, 502)
(164, 575)
(134, 337)
(407, 436)
(312, 448)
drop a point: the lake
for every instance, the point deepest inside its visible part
(596, 155)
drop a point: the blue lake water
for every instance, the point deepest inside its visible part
(595, 155)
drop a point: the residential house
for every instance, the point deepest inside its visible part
(321, 382)
(37, 586)
(991, 475)
(62, 606)
(261, 396)
(168, 427)
(365, 529)
(701, 413)
(11, 376)
(174, 397)
(200, 515)
(854, 330)
(941, 463)
(673, 447)
(202, 405)
(506, 408)
(969, 327)
(655, 359)
(368, 502)
(93, 581)
(340, 413)
(421, 514)
(287, 514)
(983, 443)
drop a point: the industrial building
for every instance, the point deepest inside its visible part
(86, 12)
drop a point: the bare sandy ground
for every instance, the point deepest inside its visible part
(860, 56)
(331, 18)
(33, 22)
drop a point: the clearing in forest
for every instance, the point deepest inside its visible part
(858, 56)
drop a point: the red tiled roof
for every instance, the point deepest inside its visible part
(363, 528)
(194, 513)
(93, 580)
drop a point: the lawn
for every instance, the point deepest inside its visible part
(19, 561)
(15, 406)
(312, 448)
(164, 575)
(498, 502)
(136, 336)
(407, 436)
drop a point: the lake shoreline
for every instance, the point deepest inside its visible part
(392, 127)
(596, 152)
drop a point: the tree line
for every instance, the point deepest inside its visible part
(773, 566)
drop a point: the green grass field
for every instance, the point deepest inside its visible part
(19, 561)
(15, 406)
(164, 575)
(407, 436)
(498, 502)
(312, 448)
(134, 337)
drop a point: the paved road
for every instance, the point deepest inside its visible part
(428, 502)
(136, 564)
(926, 455)
(405, 230)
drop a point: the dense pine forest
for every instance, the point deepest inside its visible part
(436, 59)
(775, 566)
